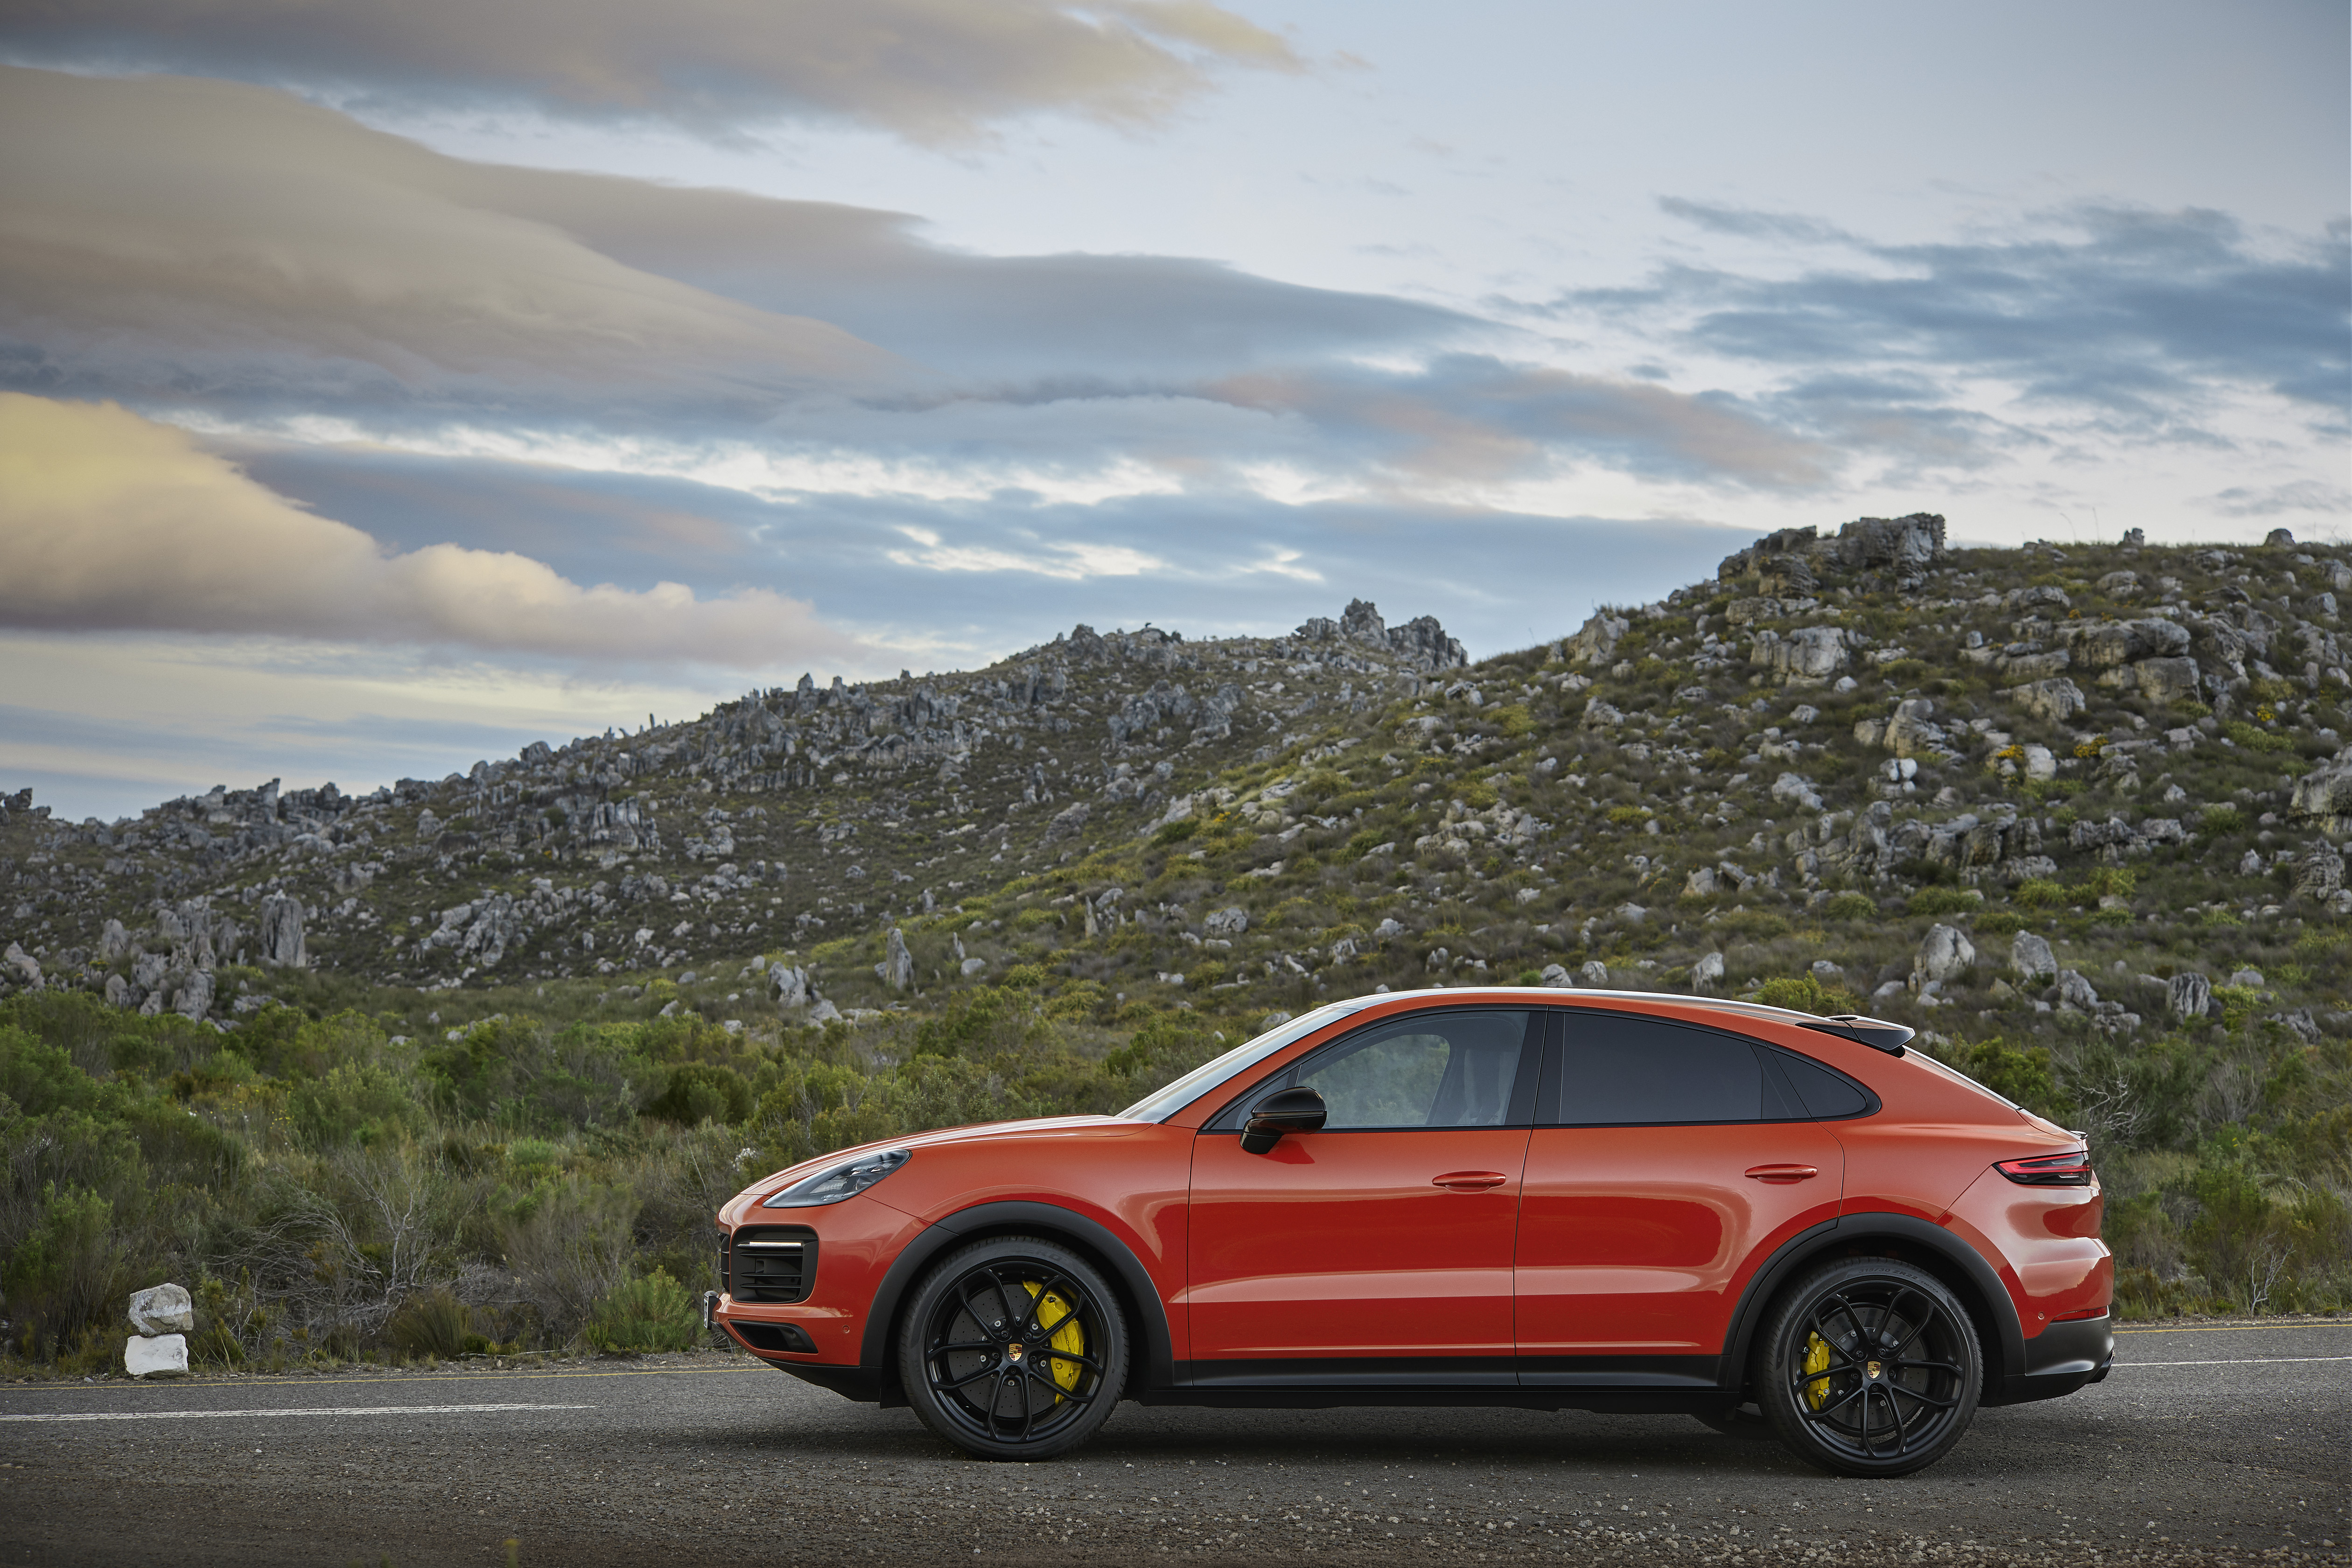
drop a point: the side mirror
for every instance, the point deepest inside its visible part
(1299, 1110)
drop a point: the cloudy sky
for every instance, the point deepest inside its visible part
(387, 384)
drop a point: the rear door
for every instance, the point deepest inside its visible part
(1378, 1249)
(1667, 1161)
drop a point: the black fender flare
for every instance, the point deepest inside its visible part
(1146, 1311)
(2004, 1356)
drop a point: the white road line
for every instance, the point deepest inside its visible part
(300, 1410)
(2245, 1361)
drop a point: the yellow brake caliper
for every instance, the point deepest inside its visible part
(1070, 1337)
(1817, 1360)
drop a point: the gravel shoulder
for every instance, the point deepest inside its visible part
(2212, 1442)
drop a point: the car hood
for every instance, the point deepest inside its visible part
(979, 1132)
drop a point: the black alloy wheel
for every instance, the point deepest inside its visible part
(1869, 1366)
(1013, 1348)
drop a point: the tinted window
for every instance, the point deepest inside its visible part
(1826, 1094)
(1618, 1068)
(1430, 1069)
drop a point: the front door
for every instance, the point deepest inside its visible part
(1673, 1162)
(1378, 1249)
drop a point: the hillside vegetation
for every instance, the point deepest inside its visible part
(472, 1062)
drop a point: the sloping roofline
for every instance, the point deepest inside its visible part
(1876, 1032)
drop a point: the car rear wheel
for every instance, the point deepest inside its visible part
(1013, 1348)
(1869, 1367)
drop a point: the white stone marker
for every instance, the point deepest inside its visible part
(164, 1354)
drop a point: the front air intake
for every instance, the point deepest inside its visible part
(769, 1263)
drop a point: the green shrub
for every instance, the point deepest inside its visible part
(1176, 832)
(1805, 993)
(2219, 821)
(2000, 923)
(651, 1314)
(356, 1102)
(2040, 893)
(2021, 1076)
(1944, 900)
(1851, 906)
(2254, 739)
(436, 1323)
(701, 1091)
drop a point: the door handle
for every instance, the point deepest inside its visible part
(1784, 1173)
(1469, 1180)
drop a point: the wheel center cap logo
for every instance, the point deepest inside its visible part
(1873, 1369)
(1012, 1352)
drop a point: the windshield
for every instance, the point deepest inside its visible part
(1167, 1101)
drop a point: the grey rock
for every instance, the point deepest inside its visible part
(163, 1310)
(117, 990)
(1593, 973)
(2055, 700)
(113, 941)
(896, 969)
(1387, 929)
(1274, 1020)
(824, 1013)
(2189, 995)
(1798, 791)
(1707, 972)
(281, 935)
(1557, 977)
(2324, 795)
(2319, 872)
(972, 967)
(1908, 546)
(2030, 955)
(1827, 973)
(788, 985)
(2104, 645)
(1700, 883)
(28, 968)
(195, 994)
(1230, 922)
(2075, 992)
(1945, 955)
(2250, 978)
(1068, 822)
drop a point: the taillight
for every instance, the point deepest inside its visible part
(2068, 1169)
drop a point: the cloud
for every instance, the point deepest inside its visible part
(2142, 316)
(169, 240)
(2272, 500)
(110, 522)
(199, 239)
(937, 71)
(1477, 419)
(1746, 223)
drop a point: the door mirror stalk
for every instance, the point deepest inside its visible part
(1299, 1110)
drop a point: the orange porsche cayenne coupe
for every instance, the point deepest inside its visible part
(1550, 1199)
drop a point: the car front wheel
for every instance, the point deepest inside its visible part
(1869, 1366)
(1013, 1348)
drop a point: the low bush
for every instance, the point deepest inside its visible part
(649, 1314)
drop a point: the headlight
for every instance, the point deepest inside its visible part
(843, 1180)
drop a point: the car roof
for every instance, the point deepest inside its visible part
(1876, 1032)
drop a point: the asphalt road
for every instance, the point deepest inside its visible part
(2222, 1444)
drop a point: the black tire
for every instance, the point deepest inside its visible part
(1013, 1348)
(1869, 1367)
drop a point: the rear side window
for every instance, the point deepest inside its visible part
(1827, 1095)
(1617, 1069)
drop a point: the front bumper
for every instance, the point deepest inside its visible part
(2060, 1359)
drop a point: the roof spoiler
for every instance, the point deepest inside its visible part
(1876, 1033)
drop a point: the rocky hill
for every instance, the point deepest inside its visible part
(2075, 812)
(2117, 772)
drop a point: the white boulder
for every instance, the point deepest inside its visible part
(165, 1355)
(166, 1308)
